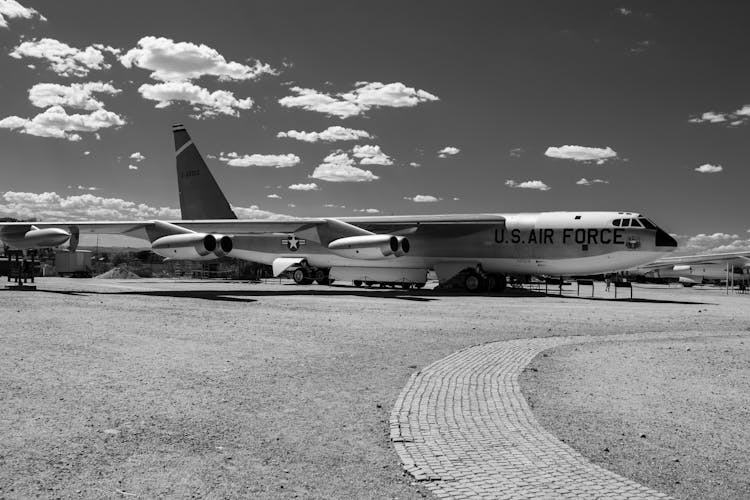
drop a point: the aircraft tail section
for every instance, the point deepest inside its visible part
(200, 195)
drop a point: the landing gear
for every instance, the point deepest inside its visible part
(496, 282)
(474, 283)
(305, 275)
(357, 283)
(300, 277)
(321, 277)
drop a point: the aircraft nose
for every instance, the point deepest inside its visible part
(664, 240)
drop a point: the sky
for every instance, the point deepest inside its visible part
(336, 109)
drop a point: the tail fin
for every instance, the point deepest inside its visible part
(200, 195)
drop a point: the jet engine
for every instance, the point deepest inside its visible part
(193, 246)
(370, 247)
(682, 268)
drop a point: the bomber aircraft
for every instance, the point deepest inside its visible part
(477, 250)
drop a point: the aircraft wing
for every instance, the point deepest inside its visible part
(138, 229)
(437, 224)
(734, 258)
(432, 225)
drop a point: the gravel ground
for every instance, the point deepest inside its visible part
(672, 415)
(121, 389)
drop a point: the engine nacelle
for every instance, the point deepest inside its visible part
(222, 245)
(370, 247)
(192, 246)
(35, 238)
(682, 268)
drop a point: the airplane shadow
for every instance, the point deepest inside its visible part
(414, 295)
(247, 296)
(635, 299)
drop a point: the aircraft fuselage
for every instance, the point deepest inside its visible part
(529, 243)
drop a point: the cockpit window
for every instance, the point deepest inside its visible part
(635, 223)
(647, 223)
(616, 222)
(625, 223)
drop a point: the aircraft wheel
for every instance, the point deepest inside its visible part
(406, 286)
(369, 283)
(473, 283)
(300, 277)
(321, 276)
(357, 283)
(419, 285)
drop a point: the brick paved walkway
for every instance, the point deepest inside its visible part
(463, 426)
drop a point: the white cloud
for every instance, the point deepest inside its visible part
(172, 61)
(448, 151)
(11, 9)
(712, 243)
(541, 186)
(368, 210)
(55, 122)
(361, 99)
(75, 95)
(132, 167)
(312, 100)
(254, 212)
(456, 199)
(585, 182)
(423, 198)
(86, 153)
(371, 155)
(137, 156)
(516, 152)
(707, 168)
(415, 164)
(331, 134)
(64, 59)
(52, 206)
(581, 153)
(624, 11)
(339, 167)
(87, 188)
(205, 103)
(304, 187)
(274, 196)
(710, 117)
(737, 117)
(256, 160)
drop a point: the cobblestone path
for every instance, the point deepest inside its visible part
(463, 427)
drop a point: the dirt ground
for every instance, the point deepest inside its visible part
(123, 389)
(672, 415)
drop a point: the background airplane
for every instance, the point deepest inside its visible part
(478, 249)
(696, 269)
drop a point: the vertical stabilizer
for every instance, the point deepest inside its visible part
(200, 195)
